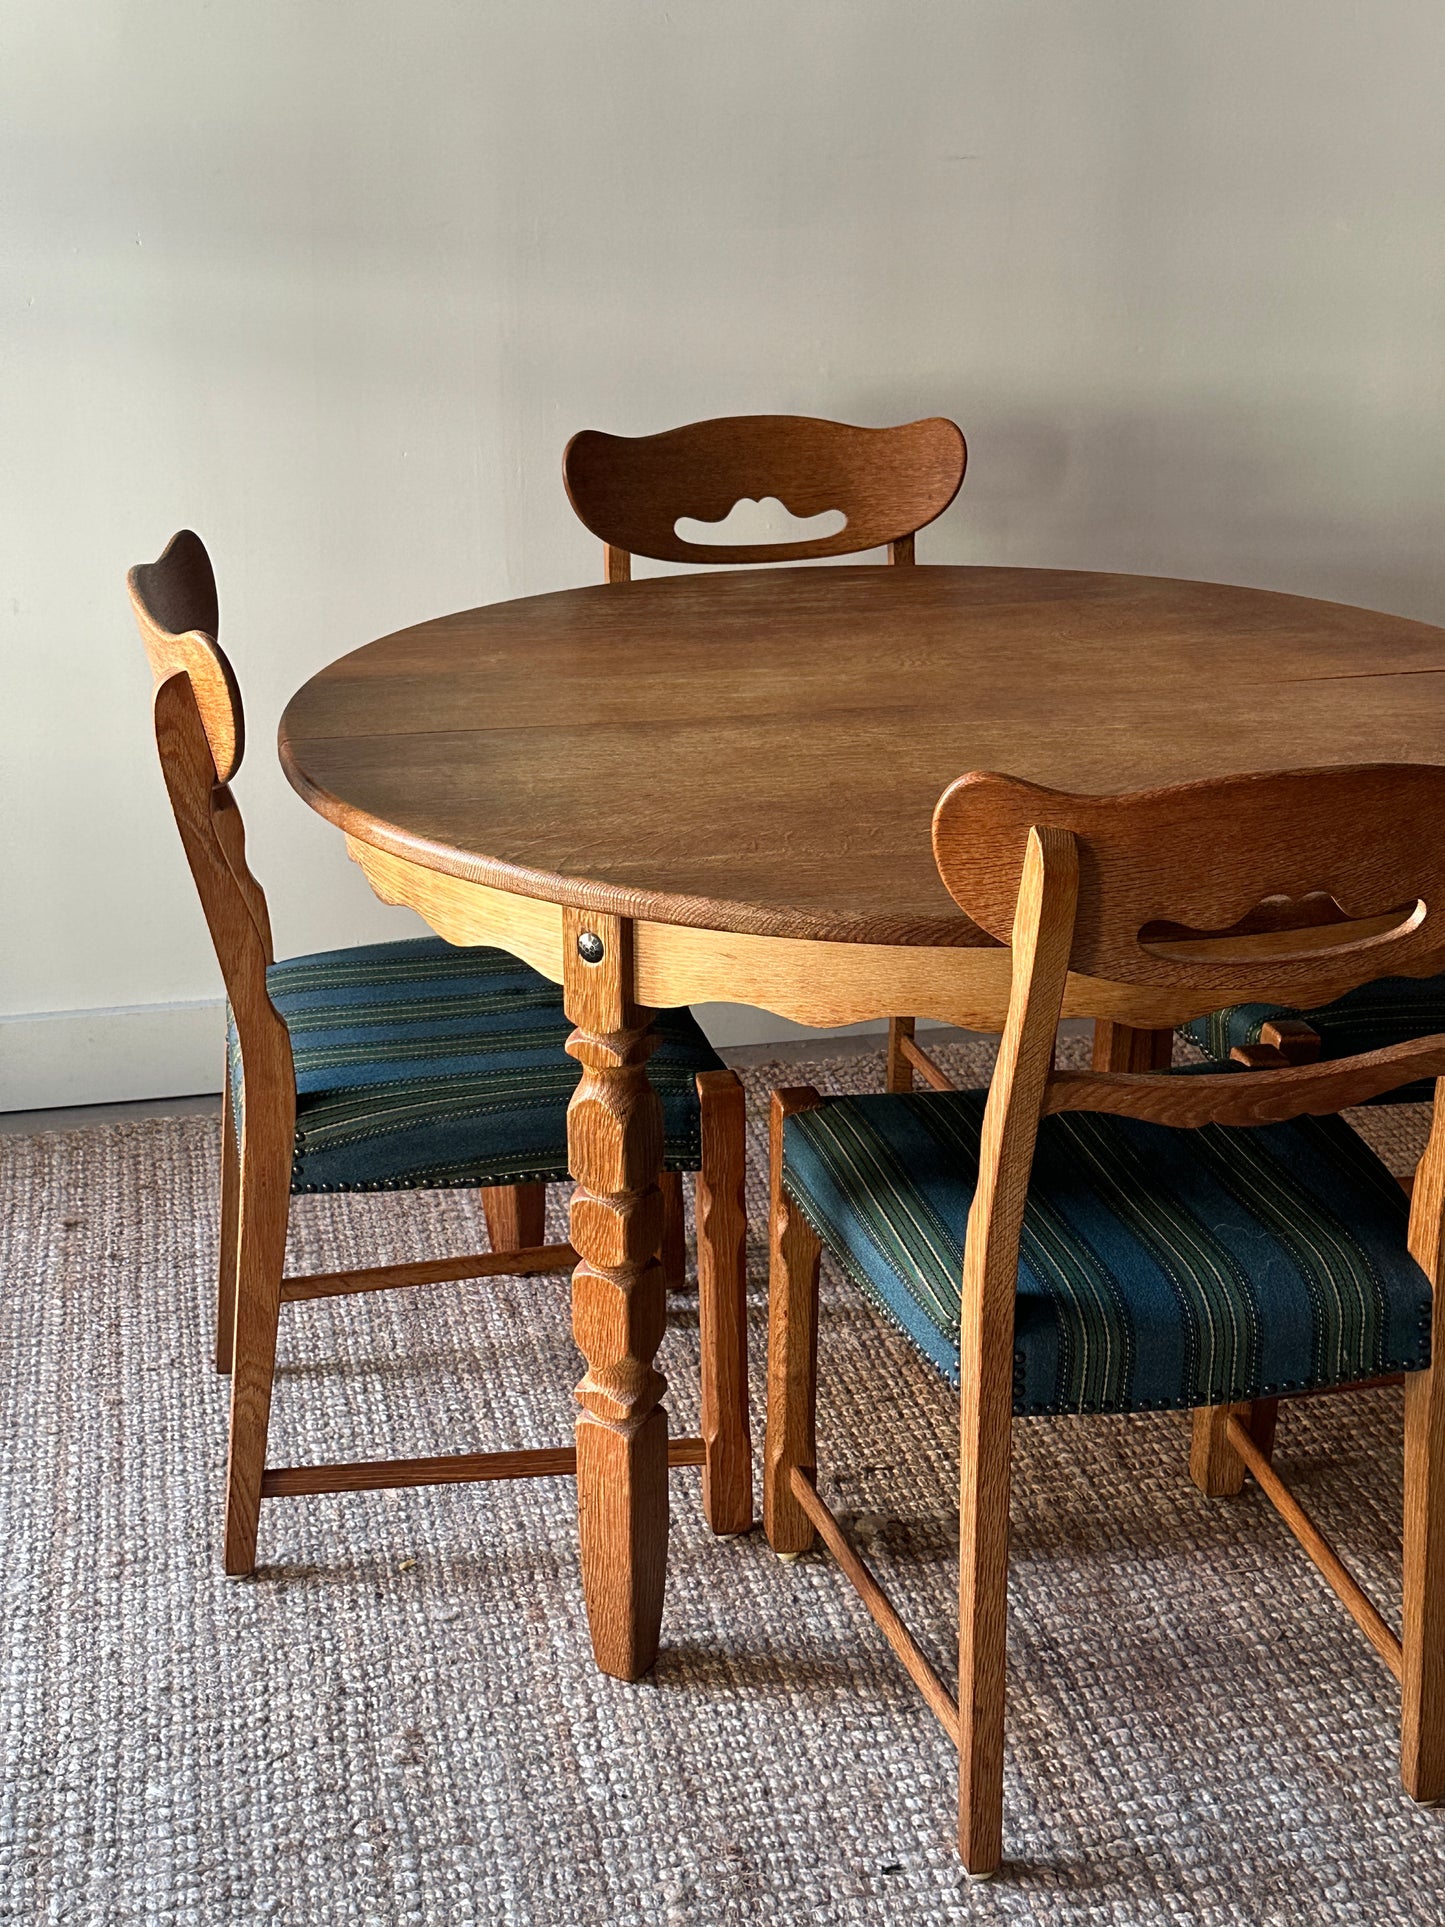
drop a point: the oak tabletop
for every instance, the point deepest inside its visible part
(762, 750)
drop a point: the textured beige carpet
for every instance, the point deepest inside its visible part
(398, 1721)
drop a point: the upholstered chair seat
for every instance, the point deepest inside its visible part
(420, 1065)
(1158, 1268)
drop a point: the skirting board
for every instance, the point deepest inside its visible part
(63, 1057)
(55, 1058)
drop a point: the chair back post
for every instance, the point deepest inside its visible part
(1041, 939)
(630, 491)
(1427, 1217)
(200, 738)
(1427, 1206)
(1042, 933)
(1422, 1613)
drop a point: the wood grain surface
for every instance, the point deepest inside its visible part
(177, 612)
(761, 750)
(1164, 871)
(889, 483)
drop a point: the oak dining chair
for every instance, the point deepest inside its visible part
(1079, 1242)
(631, 491)
(411, 1065)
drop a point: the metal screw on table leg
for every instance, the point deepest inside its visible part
(590, 947)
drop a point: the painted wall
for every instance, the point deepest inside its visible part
(334, 283)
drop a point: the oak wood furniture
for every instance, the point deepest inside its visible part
(200, 734)
(632, 491)
(1134, 889)
(735, 772)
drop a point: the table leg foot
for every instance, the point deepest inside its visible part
(622, 1521)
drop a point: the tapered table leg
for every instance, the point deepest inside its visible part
(614, 1136)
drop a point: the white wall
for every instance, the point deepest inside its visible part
(334, 281)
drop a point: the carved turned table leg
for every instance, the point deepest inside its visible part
(614, 1136)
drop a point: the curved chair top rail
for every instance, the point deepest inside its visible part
(1295, 886)
(200, 736)
(177, 613)
(888, 482)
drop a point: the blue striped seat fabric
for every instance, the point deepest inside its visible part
(1158, 1268)
(421, 1065)
(1394, 1010)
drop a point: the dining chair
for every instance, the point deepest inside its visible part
(632, 490)
(1078, 1242)
(412, 1065)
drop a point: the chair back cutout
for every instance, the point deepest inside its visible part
(631, 491)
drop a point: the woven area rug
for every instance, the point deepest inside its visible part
(397, 1719)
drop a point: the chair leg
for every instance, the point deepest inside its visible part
(985, 1443)
(1215, 1467)
(265, 1198)
(899, 1073)
(516, 1215)
(674, 1231)
(792, 1346)
(1422, 1721)
(722, 1301)
(1262, 1423)
(230, 1226)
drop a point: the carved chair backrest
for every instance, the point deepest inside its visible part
(1349, 861)
(177, 613)
(1292, 887)
(888, 482)
(200, 737)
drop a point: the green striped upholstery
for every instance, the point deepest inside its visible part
(420, 1065)
(1158, 1268)
(1394, 1010)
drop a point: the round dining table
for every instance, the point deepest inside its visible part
(719, 786)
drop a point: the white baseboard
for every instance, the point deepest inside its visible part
(55, 1058)
(63, 1057)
